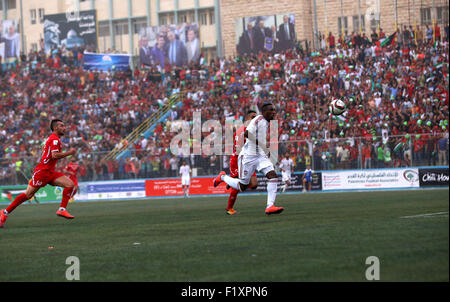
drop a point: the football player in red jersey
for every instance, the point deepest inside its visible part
(72, 169)
(45, 173)
(239, 140)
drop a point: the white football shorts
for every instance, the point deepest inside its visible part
(248, 164)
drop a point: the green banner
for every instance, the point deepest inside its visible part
(47, 193)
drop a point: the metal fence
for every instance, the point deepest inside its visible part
(426, 149)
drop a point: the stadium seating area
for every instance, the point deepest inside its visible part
(397, 98)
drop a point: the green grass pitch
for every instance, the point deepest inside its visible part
(319, 237)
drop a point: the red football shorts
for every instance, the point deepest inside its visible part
(41, 178)
(234, 166)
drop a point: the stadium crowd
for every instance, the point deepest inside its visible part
(396, 93)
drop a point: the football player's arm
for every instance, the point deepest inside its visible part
(67, 171)
(56, 154)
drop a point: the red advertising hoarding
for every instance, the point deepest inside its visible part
(172, 187)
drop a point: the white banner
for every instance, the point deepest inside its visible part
(113, 189)
(370, 179)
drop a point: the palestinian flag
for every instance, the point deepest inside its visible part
(7, 194)
(389, 40)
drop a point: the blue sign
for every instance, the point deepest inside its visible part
(116, 187)
(106, 62)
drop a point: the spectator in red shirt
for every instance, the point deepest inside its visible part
(331, 41)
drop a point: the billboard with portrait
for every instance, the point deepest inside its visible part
(271, 33)
(9, 39)
(70, 30)
(169, 44)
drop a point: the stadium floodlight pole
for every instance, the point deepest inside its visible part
(378, 16)
(175, 14)
(342, 21)
(219, 45)
(433, 16)
(196, 5)
(4, 10)
(111, 27)
(395, 15)
(316, 32)
(130, 33)
(326, 21)
(148, 9)
(415, 24)
(21, 29)
(359, 17)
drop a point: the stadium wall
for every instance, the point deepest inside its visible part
(323, 181)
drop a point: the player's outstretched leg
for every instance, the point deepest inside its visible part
(231, 200)
(69, 190)
(232, 182)
(272, 193)
(29, 193)
(218, 180)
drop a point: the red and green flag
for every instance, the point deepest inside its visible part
(389, 40)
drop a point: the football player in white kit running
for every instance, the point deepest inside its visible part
(286, 167)
(255, 156)
(185, 173)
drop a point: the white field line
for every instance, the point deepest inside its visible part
(438, 214)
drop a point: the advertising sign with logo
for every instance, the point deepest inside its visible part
(296, 183)
(172, 187)
(430, 177)
(115, 189)
(204, 185)
(370, 179)
(106, 62)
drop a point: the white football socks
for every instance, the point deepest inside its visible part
(271, 191)
(232, 182)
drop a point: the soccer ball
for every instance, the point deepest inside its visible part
(337, 107)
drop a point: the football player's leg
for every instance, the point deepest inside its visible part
(272, 185)
(266, 167)
(28, 194)
(253, 182)
(246, 170)
(68, 185)
(232, 199)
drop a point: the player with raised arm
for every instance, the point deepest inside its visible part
(286, 167)
(72, 169)
(185, 173)
(307, 178)
(239, 140)
(45, 173)
(255, 156)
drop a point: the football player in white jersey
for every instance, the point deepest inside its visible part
(286, 167)
(185, 173)
(255, 156)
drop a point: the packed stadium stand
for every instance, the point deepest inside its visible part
(396, 94)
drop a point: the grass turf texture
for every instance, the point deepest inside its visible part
(319, 237)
